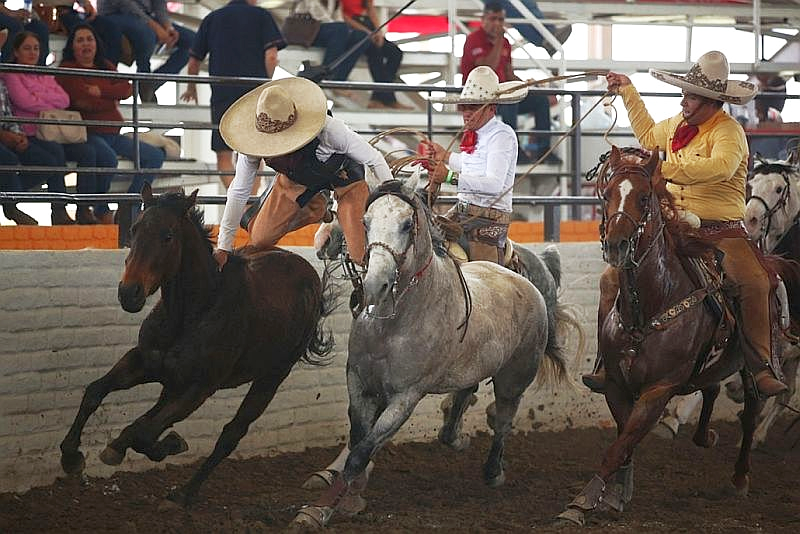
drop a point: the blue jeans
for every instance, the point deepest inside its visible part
(38, 153)
(528, 31)
(143, 42)
(337, 39)
(150, 157)
(93, 153)
(15, 26)
(539, 106)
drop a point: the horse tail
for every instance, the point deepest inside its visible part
(789, 271)
(552, 259)
(321, 342)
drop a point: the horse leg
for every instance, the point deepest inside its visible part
(142, 434)
(129, 371)
(351, 480)
(704, 436)
(634, 422)
(775, 404)
(505, 407)
(255, 402)
(752, 406)
(453, 408)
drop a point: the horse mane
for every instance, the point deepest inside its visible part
(395, 188)
(176, 203)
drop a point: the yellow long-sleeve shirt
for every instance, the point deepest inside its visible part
(707, 176)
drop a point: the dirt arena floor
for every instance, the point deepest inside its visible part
(424, 487)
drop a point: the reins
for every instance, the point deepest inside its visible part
(784, 171)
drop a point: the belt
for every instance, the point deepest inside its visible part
(721, 225)
(500, 216)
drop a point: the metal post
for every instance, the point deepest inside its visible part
(575, 156)
(552, 222)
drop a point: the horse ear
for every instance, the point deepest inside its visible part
(412, 182)
(147, 194)
(652, 163)
(794, 157)
(191, 200)
(615, 155)
(760, 159)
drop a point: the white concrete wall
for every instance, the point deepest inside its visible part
(61, 327)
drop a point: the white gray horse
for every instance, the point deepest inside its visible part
(430, 326)
(542, 270)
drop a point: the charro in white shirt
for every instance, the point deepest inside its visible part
(486, 177)
(335, 138)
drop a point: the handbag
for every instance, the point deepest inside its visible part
(65, 134)
(300, 29)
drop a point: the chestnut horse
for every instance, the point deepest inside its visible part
(210, 330)
(660, 339)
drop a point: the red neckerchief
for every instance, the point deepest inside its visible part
(683, 135)
(468, 141)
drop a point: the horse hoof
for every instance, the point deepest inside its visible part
(111, 456)
(742, 486)
(461, 443)
(712, 438)
(496, 482)
(177, 443)
(73, 463)
(664, 431)
(351, 505)
(320, 480)
(313, 517)
(570, 517)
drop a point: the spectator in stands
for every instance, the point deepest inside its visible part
(145, 23)
(529, 32)
(98, 98)
(16, 21)
(773, 97)
(485, 168)
(67, 17)
(285, 122)
(487, 46)
(383, 57)
(30, 94)
(241, 40)
(15, 150)
(337, 38)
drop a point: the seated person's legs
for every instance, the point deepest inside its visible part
(539, 106)
(179, 55)
(508, 113)
(141, 37)
(85, 156)
(337, 39)
(48, 154)
(150, 157)
(9, 182)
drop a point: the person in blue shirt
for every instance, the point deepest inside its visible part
(240, 39)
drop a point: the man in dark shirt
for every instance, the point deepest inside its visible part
(241, 40)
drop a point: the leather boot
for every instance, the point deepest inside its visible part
(84, 215)
(58, 215)
(13, 213)
(767, 384)
(595, 381)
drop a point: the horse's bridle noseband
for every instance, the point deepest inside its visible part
(783, 170)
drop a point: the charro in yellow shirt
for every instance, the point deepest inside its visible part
(707, 176)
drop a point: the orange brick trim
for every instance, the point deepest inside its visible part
(58, 237)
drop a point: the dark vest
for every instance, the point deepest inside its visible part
(303, 167)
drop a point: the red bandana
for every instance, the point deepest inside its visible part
(468, 141)
(683, 135)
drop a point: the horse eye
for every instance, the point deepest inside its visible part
(406, 226)
(167, 237)
(779, 189)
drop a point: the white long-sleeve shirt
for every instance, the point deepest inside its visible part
(335, 138)
(486, 177)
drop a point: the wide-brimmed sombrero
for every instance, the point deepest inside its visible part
(275, 118)
(709, 77)
(483, 87)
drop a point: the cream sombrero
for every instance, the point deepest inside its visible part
(483, 87)
(709, 77)
(275, 118)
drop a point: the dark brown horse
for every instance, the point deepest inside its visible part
(210, 330)
(663, 337)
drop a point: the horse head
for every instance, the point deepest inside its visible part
(626, 188)
(774, 201)
(156, 251)
(398, 241)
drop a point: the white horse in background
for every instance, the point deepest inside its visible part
(432, 326)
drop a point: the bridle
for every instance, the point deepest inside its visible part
(784, 171)
(399, 257)
(604, 181)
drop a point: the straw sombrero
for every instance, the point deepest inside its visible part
(275, 118)
(709, 77)
(483, 87)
